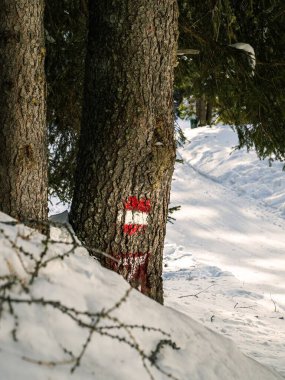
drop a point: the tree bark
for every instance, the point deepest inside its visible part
(201, 111)
(23, 157)
(204, 111)
(209, 113)
(127, 148)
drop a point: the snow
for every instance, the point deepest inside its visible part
(248, 49)
(224, 267)
(228, 243)
(47, 340)
(55, 206)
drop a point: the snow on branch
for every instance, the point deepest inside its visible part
(249, 50)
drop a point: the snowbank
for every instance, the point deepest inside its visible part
(43, 340)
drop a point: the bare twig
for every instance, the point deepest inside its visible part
(15, 291)
(196, 294)
(188, 52)
(48, 363)
(274, 303)
(243, 307)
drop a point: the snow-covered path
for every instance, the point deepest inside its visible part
(228, 243)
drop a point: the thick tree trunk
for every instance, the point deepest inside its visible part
(23, 158)
(127, 149)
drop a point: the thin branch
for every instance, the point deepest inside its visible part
(188, 52)
(243, 307)
(48, 363)
(196, 294)
(15, 291)
(274, 303)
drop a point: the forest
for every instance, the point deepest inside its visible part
(144, 138)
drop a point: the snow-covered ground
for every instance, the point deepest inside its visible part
(227, 245)
(224, 267)
(72, 314)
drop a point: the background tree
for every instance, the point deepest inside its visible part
(127, 148)
(220, 75)
(23, 143)
(265, 30)
(66, 32)
(252, 104)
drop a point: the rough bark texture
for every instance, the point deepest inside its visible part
(23, 157)
(204, 111)
(201, 111)
(127, 148)
(209, 113)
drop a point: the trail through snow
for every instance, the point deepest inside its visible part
(224, 259)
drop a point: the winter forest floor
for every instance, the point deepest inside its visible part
(224, 259)
(224, 263)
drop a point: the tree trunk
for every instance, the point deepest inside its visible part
(201, 111)
(204, 110)
(127, 148)
(23, 157)
(209, 113)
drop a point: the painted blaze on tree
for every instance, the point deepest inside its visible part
(127, 148)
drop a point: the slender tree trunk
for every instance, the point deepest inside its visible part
(23, 157)
(209, 113)
(201, 111)
(204, 110)
(127, 148)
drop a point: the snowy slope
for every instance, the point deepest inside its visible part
(228, 243)
(49, 339)
(212, 153)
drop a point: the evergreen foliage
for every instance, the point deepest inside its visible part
(66, 30)
(251, 101)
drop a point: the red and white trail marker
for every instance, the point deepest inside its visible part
(133, 266)
(135, 263)
(135, 215)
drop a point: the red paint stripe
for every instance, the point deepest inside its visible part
(135, 204)
(132, 229)
(134, 268)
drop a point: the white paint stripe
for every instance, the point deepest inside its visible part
(136, 217)
(125, 261)
(133, 217)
